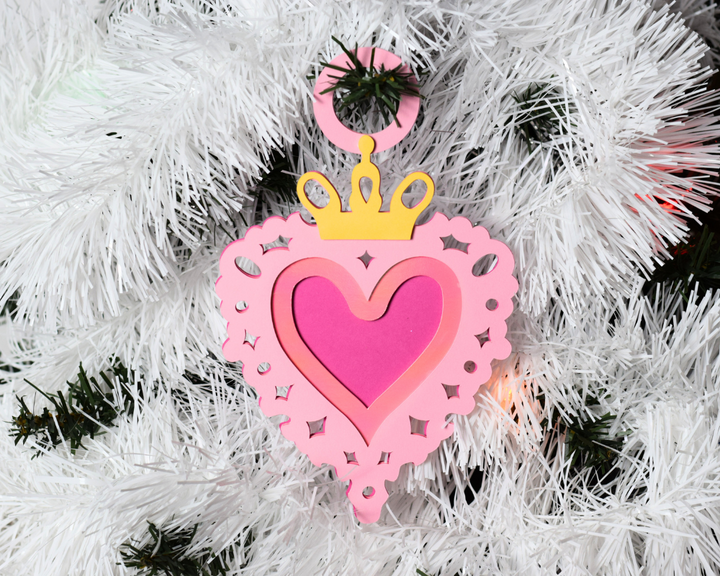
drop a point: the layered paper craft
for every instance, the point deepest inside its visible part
(364, 329)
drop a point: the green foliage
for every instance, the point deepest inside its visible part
(588, 441)
(10, 306)
(6, 368)
(87, 409)
(278, 184)
(360, 86)
(543, 114)
(590, 446)
(9, 311)
(167, 554)
(695, 264)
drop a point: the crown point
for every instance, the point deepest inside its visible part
(366, 145)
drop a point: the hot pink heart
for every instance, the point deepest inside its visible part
(367, 356)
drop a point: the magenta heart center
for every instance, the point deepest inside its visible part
(367, 356)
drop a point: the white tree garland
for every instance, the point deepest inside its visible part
(131, 135)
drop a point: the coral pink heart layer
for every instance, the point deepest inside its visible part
(367, 356)
(420, 294)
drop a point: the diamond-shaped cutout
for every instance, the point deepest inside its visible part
(250, 339)
(451, 391)
(366, 259)
(418, 427)
(279, 243)
(281, 392)
(384, 458)
(452, 243)
(484, 337)
(350, 457)
(316, 427)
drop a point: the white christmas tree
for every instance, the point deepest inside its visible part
(135, 140)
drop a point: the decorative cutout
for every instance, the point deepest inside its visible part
(485, 265)
(366, 259)
(317, 427)
(451, 391)
(384, 458)
(247, 267)
(368, 492)
(409, 196)
(350, 457)
(483, 337)
(263, 368)
(241, 306)
(250, 339)
(318, 195)
(451, 243)
(281, 392)
(491, 304)
(418, 427)
(470, 367)
(280, 243)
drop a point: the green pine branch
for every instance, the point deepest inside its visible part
(86, 411)
(588, 442)
(360, 86)
(10, 306)
(279, 180)
(278, 184)
(695, 265)
(543, 113)
(167, 553)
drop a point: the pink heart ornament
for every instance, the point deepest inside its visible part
(248, 302)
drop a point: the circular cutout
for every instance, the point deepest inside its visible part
(263, 368)
(341, 135)
(470, 366)
(491, 304)
(241, 306)
(368, 492)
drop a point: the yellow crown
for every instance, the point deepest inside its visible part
(365, 221)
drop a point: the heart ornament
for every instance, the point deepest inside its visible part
(364, 329)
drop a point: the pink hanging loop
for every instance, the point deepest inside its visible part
(341, 135)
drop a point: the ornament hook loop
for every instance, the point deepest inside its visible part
(341, 135)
